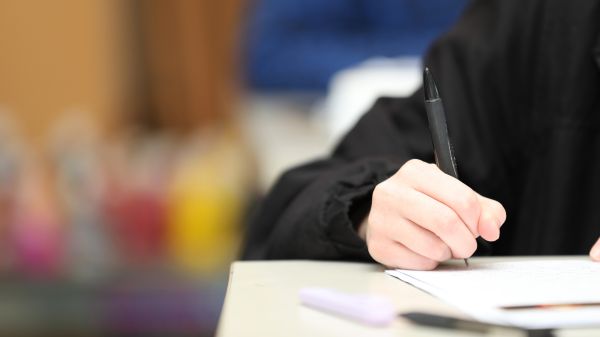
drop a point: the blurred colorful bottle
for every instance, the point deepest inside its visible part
(36, 232)
(9, 178)
(80, 186)
(138, 222)
(205, 205)
(90, 252)
(136, 205)
(33, 235)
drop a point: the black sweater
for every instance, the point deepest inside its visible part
(520, 81)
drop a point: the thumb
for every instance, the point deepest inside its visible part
(492, 217)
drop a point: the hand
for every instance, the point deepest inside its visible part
(595, 251)
(421, 216)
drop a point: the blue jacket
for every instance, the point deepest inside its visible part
(300, 44)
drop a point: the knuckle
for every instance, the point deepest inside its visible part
(379, 197)
(469, 203)
(414, 162)
(380, 190)
(387, 194)
(410, 166)
(445, 221)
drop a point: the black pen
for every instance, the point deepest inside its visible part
(445, 322)
(442, 148)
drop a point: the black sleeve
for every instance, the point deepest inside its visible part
(312, 211)
(307, 213)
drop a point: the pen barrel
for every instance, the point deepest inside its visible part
(442, 148)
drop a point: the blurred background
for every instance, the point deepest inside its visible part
(137, 135)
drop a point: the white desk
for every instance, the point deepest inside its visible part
(262, 300)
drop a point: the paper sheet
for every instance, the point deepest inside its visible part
(484, 288)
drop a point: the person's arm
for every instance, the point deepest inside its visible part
(314, 211)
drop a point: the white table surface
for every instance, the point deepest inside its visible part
(262, 300)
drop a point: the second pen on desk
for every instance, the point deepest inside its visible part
(442, 148)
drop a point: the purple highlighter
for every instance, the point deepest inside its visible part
(366, 309)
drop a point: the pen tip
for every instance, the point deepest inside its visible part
(429, 86)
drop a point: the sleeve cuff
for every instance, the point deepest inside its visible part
(349, 203)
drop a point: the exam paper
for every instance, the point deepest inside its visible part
(484, 290)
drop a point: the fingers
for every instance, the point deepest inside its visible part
(477, 212)
(492, 217)
(430, 180)
(439, 219)
(595, 251)
(421, 216)
(396, 255)
(419, 240)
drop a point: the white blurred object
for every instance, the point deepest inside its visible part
(288, 130)
(354, 90)
(282, 133)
